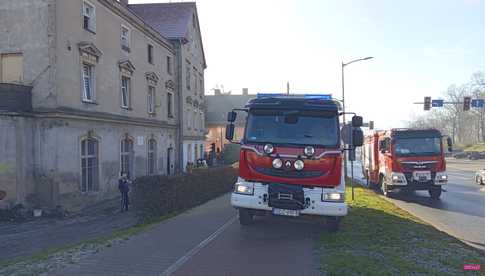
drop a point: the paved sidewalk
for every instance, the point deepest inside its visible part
(154, 251)
(28, 238)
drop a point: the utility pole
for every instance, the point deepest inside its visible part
(288, 88)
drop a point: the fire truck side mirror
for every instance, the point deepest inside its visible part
(357, 121)
(450, 144)
(230, 132)
(231, 116)
(357, 137)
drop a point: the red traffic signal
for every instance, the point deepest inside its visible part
(427, 103)
(466, 103)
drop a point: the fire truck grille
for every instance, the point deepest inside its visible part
(284, 196)
(412, 166)
(409, 176)
(289, 174)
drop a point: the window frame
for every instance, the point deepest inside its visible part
(151, 100)
(84, 187)
(169, 65)
(129, 154)
(170, 111)
(153, 153)
(128, 38)
(91, 25)
(128, 92)
(92, 82)
(187, 77)
(150, 53)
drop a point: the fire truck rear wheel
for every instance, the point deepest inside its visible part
(333, 223)
(245, 216)
(435, 193)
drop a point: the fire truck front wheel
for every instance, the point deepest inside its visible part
(246, 217)
(435, 192)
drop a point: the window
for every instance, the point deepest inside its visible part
(125, 92)
(194, 120)
(150, 54)
(193, 20)
(201, 86)
(11, 68)
(195, 82)
(152, 156)
(89, 165)
(89, 17)
(125, 38)
(170, 105)
(189, 120)
(169, 65)
(187, 77)
(151, 99)
(127, 157)
(88, 82)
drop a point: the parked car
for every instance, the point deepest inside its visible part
(480, 177)
(460, 155)
(476, 155)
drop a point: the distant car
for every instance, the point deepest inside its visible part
(476, 155)
(480, 177)
(460, 155)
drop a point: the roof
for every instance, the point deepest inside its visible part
(219, 105)
(171, 20)
(293, 102)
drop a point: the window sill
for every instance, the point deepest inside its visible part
(91, 31)
(90, 102)
(126, 108)
(152, 114)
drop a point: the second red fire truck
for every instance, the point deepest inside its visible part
(405, 160)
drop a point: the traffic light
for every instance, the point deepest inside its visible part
(371, 125)
(466, 103)
(427, 103)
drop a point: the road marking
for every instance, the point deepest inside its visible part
(180, 262)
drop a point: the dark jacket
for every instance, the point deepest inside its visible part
(124, 185)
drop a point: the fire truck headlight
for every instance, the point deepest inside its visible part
(398, 178)
(244, 188)
(334, 197)
(441, 177)
(309, 151)
(268, 148)
(277, 163)
(299, 165)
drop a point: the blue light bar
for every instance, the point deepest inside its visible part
(318, 96)
(305, 96)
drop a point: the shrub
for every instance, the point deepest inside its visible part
(161, 195)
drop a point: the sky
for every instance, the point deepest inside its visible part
(419, 48)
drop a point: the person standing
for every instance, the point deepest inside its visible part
(124, 187)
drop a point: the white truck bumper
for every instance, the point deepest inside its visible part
(316, 206)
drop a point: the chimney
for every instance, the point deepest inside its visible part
(217, 92)
(245, 91)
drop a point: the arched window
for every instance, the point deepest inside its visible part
(127, 157)
(152, 156)
(89, 164)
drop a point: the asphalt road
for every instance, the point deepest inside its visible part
(208, 240)
(460, 211)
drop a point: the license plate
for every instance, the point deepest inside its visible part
(422, 176)
(284, 212)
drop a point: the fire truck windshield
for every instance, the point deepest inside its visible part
(293, 127)
(417, 146)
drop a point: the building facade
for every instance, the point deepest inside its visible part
(186, 37)
(89, 90)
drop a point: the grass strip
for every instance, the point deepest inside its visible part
(378, 238)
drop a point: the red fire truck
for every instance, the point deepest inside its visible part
(290, 160)
(405, 160)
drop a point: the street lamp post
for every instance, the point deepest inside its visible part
(343, 102)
